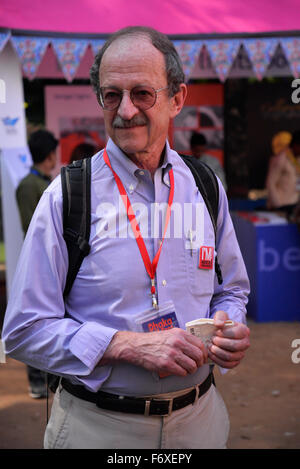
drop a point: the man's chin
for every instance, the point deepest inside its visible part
(131, 149)
(130, 145)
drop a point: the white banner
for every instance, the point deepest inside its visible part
(15, 157)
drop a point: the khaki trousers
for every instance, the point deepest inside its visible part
(78, 424)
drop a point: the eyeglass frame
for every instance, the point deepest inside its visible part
(101, 101)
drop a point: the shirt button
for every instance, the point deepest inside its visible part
(131, 188)
(164, 282)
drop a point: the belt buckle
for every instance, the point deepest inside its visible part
(148, 402)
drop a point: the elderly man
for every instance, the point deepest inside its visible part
(123, 387)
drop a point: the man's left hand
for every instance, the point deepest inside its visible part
(230, 342)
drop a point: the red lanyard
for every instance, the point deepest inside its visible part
(149, 266)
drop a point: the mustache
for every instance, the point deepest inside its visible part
(119, 123)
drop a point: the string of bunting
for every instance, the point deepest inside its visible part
(222, 53)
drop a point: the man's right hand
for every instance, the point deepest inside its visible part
(170, 352)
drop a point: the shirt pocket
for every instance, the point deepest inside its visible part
(200, 280)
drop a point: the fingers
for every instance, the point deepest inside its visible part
(174, 351)
(226, 355)
(220, 318)
(223, 363)
(188, 364)
(195, 344)
(229, 345)
(238, 331)
(190, 352)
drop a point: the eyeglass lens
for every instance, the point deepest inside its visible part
(142, 97)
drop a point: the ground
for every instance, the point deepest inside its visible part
(262, 396)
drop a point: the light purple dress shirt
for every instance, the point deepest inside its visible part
(112, 288)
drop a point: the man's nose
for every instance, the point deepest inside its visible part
(127, 109)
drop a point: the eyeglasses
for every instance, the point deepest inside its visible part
(142, 97)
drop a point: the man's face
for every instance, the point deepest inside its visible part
(127, 63)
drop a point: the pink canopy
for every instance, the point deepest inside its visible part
(170, 17)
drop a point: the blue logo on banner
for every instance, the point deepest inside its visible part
(23, 158)
(10, 122)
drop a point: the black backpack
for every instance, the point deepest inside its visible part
(76, 190)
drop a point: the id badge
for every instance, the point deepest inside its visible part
(160, 319)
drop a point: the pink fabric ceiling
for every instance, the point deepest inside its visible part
(168, 16)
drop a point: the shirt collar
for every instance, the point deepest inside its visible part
(128, 171)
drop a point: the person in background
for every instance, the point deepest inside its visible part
(83, 150)
(283, 173)
(198, 145)
(42, 146)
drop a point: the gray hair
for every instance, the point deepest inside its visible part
(160, 41)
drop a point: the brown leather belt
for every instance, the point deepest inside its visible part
(138, 405)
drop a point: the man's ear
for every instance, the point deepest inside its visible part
(177, 101)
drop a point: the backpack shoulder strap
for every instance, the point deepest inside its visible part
(76, 190)
(208, 187)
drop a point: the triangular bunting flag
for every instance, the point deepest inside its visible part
(291, 48)
(96, 45)
(69, 53)
(188, 52)
(260, 52)
(30, 51)
(3, 40)
(222, 54)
